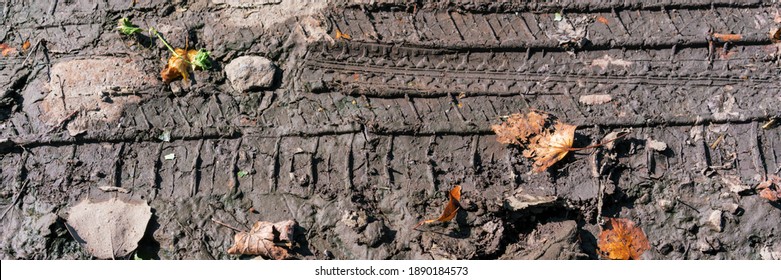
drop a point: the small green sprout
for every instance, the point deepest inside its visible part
(127, 28)
(202, 60)
(242, 173)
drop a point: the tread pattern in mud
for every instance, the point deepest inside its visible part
(384, 123)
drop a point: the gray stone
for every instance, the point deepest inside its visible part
(665, 204)
(249, 73)
(714, 221)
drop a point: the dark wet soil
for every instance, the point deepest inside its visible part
(359, 139)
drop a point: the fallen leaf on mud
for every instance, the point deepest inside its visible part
(125, 27)
(622, 240)
(242, 174)
(603, 20)
(727, 37)
(6, 50)
(26, 45)
(108, 229)
(180, 60)
(595, 99)
(270, 240)
(517, 129)
(450, 209)
(176, 67)
(770, 189)
(170, 156)
(775, 34)
(340, 35)
(551, 146)
(545, 146)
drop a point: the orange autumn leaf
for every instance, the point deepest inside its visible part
(545, 146)
(551, 146)
(602, 20)
(517, 129)
(770, 189)
(622, 240)
(340, 35)
(26, 45)
(727, 37)
(176, 67)
(6, 50)
(450, 209)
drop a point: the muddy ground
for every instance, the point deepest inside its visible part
(360, 138)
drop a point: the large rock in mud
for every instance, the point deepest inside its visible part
(248, 73)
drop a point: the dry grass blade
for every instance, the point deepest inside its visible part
(451, 209)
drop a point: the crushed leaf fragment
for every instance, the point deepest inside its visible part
(622, 240)
(340, 35)
(545, 146)
(26, 45)
(451, 208)
(770, 189)
(6, 50)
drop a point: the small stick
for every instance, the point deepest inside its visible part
(226, 225)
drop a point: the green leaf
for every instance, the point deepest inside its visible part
(127, 28)
(170, 156)
(242, 173)
(202, 60)
(557, 17)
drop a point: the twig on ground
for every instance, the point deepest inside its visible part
(226, 225)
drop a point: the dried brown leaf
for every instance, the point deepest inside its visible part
(26, 45)
(6, 50)
(770, 189)
(622, 240)
(451, 209)
(517, 129)
(340, 35)
(270, 240)
(176, 67)
(551, 146)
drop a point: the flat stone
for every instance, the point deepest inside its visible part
(714, 221)
(251, 73)
(665, 205)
